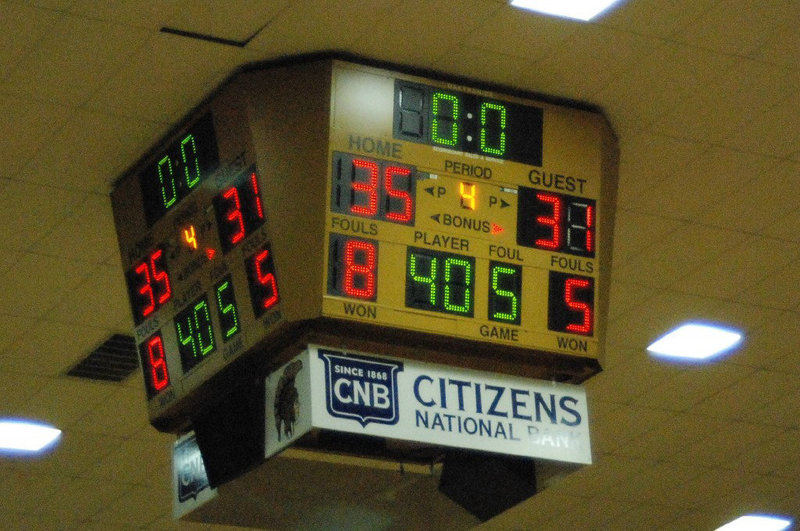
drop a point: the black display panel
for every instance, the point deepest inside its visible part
(440, 282)
(238, 209)
(353, 267)
(227, 310)
(467, 122)
(373, 188)
(261, 280)
(556, 222)
(179, 168)
(505, 293)
(570, 306)
(195, 333)
(149, 285)
(154, 364)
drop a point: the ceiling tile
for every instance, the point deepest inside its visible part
(433, 48)
(703, 488)
(73, 59)
(624, 297)
(32, 123)
(312, 26)
(150, 14)
(592, 56)
(782, 43)
(102, 287)
(594, 513)
(603, 475)
(21, 28)
(133, 507)
(780, 290)
(654, 88)
(626, 381)
(660, 18)
(16, 389)
(64, 401)
(70, 459)
(133, 461)
(700, 189)
(546, 506)
(11, 327)
(746, 396)
(36, 284)
(86, 235)
(759, 202)
(513, 32)
(85, 500)
(238, 20)
(668, 443)
(636, 232)
(185, 71)
(774, 345)
(733, 27)
(647, 159)
(727, 443)
(23, 492)
(39, 349)
(750, 261)
(676, 255)
(624, 424)
(41, 208)
(116, 142)
(775, 454)
(702, 96)
(122, 414)
(646, 516)
(689, 385)
(766, 132)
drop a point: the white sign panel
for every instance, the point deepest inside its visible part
(422, 402)
(288, 411)
(190, 487)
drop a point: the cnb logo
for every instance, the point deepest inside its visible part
(359, 388)
(189, 467)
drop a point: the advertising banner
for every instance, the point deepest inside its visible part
(409, 400)
(190, 487)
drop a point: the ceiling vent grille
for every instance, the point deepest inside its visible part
(113, 361)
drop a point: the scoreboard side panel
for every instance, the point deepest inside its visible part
(289, 113)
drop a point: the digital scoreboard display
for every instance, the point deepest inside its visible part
(391, 207)
(466, 213)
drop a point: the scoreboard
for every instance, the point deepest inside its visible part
(332, 199)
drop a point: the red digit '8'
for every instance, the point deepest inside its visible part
(359, 269)
(159, 377)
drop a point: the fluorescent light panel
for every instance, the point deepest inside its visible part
(757, 522)
(25, 436)
(584, 10)
(696, 341)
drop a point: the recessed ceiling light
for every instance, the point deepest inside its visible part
(578, 9)
(696, 341)
(20, 436)
(757, 522)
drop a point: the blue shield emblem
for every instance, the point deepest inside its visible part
(360, 388)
